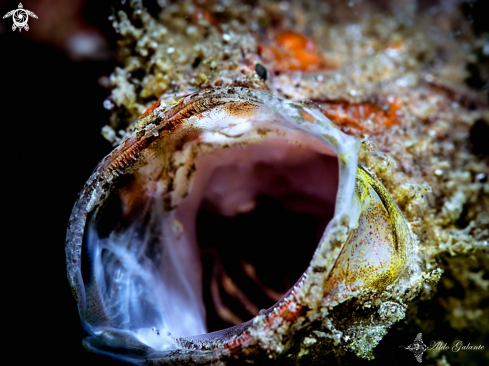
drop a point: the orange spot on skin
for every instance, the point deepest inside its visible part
(354, 116)
(307, 116)
(151, 109)
(288, 314)
(396, 45)
(285, 313)
(282, 312)
(201, 14)
(294, 52)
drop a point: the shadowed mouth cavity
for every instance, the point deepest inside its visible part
(258, 225)
(239, 240)
(205, 217)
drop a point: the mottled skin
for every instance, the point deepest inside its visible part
(378, 250)
(162, 131)
(391, 73)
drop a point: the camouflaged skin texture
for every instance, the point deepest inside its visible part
(379, 75)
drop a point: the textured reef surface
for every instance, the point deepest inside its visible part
(399, 77)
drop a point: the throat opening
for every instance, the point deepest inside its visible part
(262, 214)
(251, 260)
(236, 243)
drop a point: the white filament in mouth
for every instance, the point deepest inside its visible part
(149, 271)
(132, 251)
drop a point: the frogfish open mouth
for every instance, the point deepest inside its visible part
(224, 225)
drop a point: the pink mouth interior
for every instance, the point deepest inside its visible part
(258, 226)
(238, 241)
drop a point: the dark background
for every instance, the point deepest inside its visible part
(52, 114)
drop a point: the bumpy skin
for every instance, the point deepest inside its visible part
(378, 250)
(395, 78)
(350, 260)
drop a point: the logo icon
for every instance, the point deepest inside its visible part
(20, 17)
(417, 347)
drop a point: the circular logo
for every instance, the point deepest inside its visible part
(20, 17)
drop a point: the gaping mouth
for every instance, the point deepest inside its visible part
(262, 214)
(226, 207)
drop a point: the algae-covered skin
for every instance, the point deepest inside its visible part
(393, 75)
